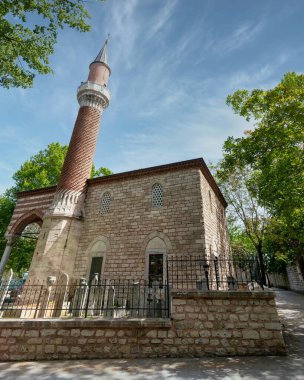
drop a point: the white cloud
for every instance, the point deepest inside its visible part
(241, 36)
(161, 18)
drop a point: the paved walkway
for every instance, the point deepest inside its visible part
(291, 310)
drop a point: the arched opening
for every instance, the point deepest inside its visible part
(97, 257)
(22, 238)
(156, 254)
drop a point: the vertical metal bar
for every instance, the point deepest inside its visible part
(87, 302)
(168, 293)
(38, 302)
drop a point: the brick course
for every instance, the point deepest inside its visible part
(78, 162)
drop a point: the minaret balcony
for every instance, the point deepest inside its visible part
(93, 95)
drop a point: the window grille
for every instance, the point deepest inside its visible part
(106, 202)
(157, 196)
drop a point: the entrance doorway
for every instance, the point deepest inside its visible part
(156, 268)
(96, 268)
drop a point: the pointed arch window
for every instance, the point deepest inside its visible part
(106, 202)
(157, 195)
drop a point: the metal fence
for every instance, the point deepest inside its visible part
(199, 273)
(108, 299)
(123, 299)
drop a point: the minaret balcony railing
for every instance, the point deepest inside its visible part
(90, 90)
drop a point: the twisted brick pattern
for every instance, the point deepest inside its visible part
(78, 162)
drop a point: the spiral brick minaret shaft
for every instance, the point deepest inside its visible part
(93, 97)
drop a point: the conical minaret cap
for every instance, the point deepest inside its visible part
(103, 56)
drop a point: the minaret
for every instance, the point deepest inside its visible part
(63, 223)
(93, 97)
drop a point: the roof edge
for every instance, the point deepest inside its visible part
(198, 163)
(41, 190)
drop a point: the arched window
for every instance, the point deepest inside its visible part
(106, 202)
(97, 256)
(155, 261)
(157, 196)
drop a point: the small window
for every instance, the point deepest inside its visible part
(157, 196)
(106, 202)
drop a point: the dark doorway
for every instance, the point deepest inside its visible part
(156, 268)
(96, 267)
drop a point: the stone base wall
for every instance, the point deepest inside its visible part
(227, 323)
(278, 280)
(295, 278)
(202, 323)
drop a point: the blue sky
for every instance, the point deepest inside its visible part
(173, 64)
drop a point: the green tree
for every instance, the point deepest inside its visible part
(241, 245)
(28, 33)
(6, 210)
(41, 170)
(247, 218)
(274, 149)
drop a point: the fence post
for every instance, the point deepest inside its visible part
(168, 291)
(88, 300)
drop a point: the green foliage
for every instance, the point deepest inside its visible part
(241, 245)
(21, 255)
(100, 172)
(247, 218)
(6, 210)
(281, 248)
(41, 170)
(274, 149)
(272, 153)
(28, 33)
(44, 168)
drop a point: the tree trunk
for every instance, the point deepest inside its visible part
(262, 264)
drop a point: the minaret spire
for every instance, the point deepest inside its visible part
(93, 97)
(103, 55)
(63, 222)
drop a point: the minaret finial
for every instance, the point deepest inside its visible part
(103, 55)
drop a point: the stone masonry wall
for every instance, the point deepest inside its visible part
(131, 220)
(215, 226)
(202, 323)
(295, 278)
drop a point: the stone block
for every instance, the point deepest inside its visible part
(162, 334)
(178, 317)
(87, 332)
(49, 348)
(214, 342)
(75, 350)
(62, 349)
(63, 332)
(47, 332)
(17, 332)
(273, 326)
(266, 334)
(250, 334)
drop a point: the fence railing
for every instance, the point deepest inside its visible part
(108, 299)
(123, 299)
(199, 273)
